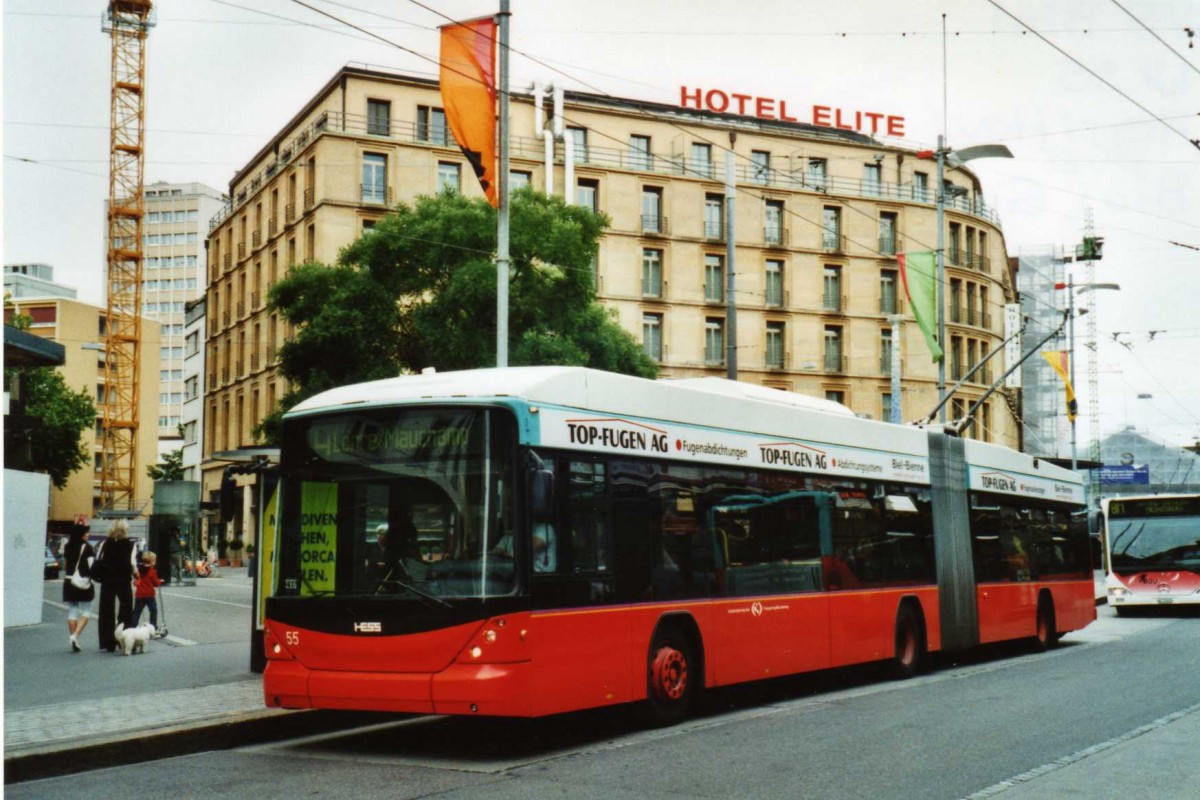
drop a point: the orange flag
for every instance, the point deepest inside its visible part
(469, 94)
(1060, 361)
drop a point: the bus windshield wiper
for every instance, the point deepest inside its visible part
(390, 581)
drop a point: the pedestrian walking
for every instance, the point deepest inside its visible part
(78, 558)
(115, 567)
(145, 589)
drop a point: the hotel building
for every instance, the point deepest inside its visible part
(820, 216)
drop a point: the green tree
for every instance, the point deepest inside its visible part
(419, 290)
(56, 444)
(171, 468)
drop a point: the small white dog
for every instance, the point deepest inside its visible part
(133, 640)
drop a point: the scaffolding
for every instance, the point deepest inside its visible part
(1042, 404)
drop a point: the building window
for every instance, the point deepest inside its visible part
(639, 152)
(888, 223)
(760, 166)
(714, 278)
(519, 179)
(887, 292)
(587, 194)
(579, 139)
(714, 341)
(773, 222)
(956, 292)
(831, 229)
(956, 359)
(701, 163)
(191, 344)
(775, 338)
(652, 219)
(885, 351)
(189, 432)
(431, 125)
(652, 335)
(955, 246)
(714, 216)
(774, 283)
(191, 388)
(651, 273)
(374, 178)
(885, 406)
(832, 288)
(816, 173)
(379, 118)
(833, 348)
(447, 176)
(836, 395)
(872, 179)
(921, 187)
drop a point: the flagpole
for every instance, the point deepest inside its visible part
(502, 259)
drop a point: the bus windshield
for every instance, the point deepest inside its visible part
(397, 502)
(1154, 534)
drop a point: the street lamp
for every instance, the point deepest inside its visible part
(1071, 290)
(956, 158)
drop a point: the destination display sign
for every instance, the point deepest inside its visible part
(589, 431)
(1155, 507)
(984, 479)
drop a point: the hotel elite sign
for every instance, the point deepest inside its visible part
(719, 101)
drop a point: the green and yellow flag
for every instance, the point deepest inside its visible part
(1060, 360)
(918, 275)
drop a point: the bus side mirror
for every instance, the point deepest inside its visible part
(541, 495)
(228, 498)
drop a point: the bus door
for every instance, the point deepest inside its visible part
(774, 620)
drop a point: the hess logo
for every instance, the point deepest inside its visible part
(368, 627)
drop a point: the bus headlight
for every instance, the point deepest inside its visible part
(1118, 592)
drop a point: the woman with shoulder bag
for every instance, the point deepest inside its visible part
(116, 563)
(78, 591)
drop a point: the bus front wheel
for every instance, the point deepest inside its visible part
(673, 670)
(909, 643)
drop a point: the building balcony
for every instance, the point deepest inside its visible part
(373, 194)
(832, 303)
(255, 298)
(241, 250)
(833, 242)
(655, 224)
(310, 198)
(272, 227)
(256, 238)
(714, 293)
(289, 212)
(714, 231)
(887, 245)
(228, 262)
(775, 236)
(835, 362)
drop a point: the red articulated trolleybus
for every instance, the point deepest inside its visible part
(530, 541)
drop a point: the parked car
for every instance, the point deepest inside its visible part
(53, 565)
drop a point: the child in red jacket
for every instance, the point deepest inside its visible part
(145, 587)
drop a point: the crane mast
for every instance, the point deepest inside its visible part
(128, 21)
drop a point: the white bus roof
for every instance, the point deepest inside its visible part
(705, 402)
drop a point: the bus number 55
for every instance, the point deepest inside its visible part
(291, 638)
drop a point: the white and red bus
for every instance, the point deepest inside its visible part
(1153, 548)
(530, 541)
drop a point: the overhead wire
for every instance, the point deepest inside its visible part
(1096, 75)
(1161, 41)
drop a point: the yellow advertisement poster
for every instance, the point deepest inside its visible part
(268, 572)
(318, 537)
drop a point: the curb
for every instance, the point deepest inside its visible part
(238, 729)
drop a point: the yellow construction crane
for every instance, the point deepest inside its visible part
(128, 21)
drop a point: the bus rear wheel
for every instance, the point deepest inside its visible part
(673, 670)
(1047, 632)
(909, 652)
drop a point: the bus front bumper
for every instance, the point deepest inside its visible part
(481, 689)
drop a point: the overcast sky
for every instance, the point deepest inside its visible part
(225, 76)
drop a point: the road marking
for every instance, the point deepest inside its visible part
(1080, 755)
(207, 600)
(179, 640)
